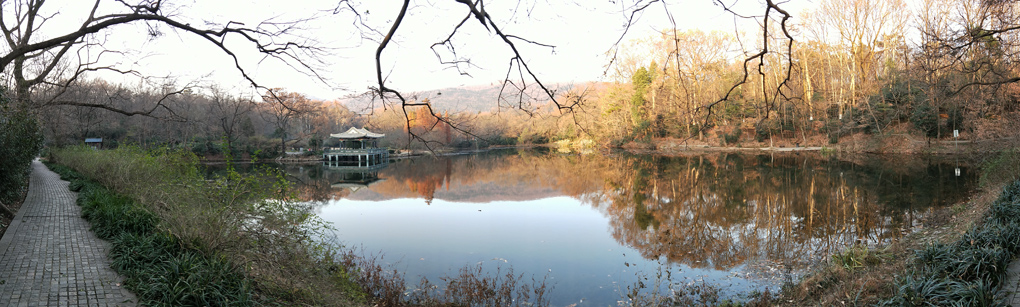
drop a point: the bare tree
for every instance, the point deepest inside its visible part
(967, 57)
(281, 108)
(229, 113)
(863, 29)
(32, 59)
(521, 79)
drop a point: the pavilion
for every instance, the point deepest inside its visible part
(356, 148)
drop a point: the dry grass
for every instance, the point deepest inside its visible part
(473, 285)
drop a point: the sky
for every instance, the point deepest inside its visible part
(581, 31)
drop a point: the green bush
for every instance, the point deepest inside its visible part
(532, 138)
(20, 142)
(499, 140)
(734, 136)
(926, 118)
(312, 153)
(764, 129)
(207, 148)
(893, 102)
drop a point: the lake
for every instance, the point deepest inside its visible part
(596, 226)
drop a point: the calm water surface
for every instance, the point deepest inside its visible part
(594, 225)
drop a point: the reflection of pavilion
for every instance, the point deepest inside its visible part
(358, 148)
(354, 180)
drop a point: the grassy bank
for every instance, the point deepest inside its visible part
(156, 265)
(180, 239)
(968, 271)
(238, 240)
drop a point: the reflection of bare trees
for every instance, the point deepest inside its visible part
(717, 211)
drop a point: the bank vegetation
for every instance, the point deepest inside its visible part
(182, 239)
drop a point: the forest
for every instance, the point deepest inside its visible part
(881, 69)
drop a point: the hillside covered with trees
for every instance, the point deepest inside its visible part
(856, 69)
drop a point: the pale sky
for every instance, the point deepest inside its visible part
(582, 33)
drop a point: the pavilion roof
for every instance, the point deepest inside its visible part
(357, 133)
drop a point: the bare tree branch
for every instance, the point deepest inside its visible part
(633, 13)
(300, 53)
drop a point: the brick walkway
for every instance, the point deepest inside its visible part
(48, 257)
(1010, 291)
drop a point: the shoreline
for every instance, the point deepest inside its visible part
(896, 144)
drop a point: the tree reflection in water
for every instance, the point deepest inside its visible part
(714, 211)
(722, 210)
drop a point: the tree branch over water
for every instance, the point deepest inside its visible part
(477, 11)
(522, 80)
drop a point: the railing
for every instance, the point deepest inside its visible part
(335, 150)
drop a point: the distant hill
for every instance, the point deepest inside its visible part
(473, 99)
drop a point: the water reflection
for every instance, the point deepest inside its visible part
(720, 211)
(707, 213)
(354, 180)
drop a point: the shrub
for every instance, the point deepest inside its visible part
(157, 267)
(21, 141)
(764, 129)
(855, 257)
(893, 102)
(532, 138)
(732, 137)
(925, 119)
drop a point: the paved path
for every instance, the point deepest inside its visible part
(48, 257)
(1010, 290)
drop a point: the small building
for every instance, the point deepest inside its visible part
(95, 143)
(356, 147)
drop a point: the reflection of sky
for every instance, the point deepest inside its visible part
(557, 237)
